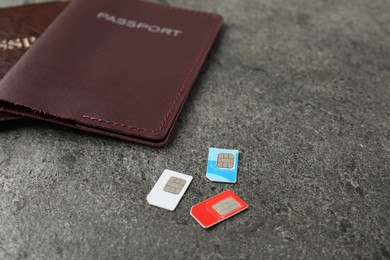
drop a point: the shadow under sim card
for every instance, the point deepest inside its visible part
(222, 165)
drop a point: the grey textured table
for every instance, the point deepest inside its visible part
(300, 87)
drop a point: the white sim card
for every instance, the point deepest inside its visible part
(169, 189)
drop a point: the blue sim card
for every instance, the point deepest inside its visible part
(222, 165)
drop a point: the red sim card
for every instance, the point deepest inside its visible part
(218, 208)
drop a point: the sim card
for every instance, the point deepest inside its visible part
(222, 165)
(218, 208)
(169, 189)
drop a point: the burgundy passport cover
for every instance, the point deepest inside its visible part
(19, 29)
(119, 68)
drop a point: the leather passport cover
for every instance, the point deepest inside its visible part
(120, 69)
(19, 29)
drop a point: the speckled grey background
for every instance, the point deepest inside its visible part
(300, 87)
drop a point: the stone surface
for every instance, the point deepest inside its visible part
(300, 87)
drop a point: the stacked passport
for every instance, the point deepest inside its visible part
(121, 69)
(19, 29)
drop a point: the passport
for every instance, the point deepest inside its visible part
(122, 70)
(20, 27)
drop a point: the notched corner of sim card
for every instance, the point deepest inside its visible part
(219, 178)
(149, 199)
(196, 219)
